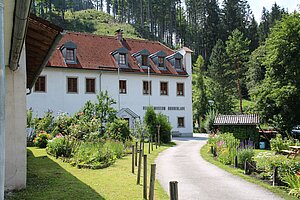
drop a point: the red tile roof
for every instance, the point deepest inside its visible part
(94, 52)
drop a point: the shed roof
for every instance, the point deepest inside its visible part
(250, 119)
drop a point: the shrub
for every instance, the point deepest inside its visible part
(118, 130)
(41, 139)
(116, 146)
(150, 120)
(293, 181)
(93, 155)
(45, 123)
(266, 161)
(165, 128)
(278, 144)
(61, 124)
(245, 154)
(61, 146)
(209, 120)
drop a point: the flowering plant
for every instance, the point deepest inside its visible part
(41, 139)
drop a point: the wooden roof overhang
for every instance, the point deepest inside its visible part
(41, 40)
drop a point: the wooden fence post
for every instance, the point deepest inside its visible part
(132, 163)
(246, 167)
(139, 167)
(145, 178)
(212, 150)
(152, 142)
(173, 190)
(136, 152)
(152, 181)
(158, 135)
(235, 162)
(149, 146)
(275, 176)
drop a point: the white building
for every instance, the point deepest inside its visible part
(136, 73)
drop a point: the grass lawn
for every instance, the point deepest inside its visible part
(205, 153)
(51, 178)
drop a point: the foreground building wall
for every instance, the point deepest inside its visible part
(15, 105)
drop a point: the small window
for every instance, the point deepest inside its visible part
(90, 85)
(180, 89)
(70, 55)
(178, 63)
(40, 85)
(72, 85)
(147, 88)
(122, 87)
(122, 59)
(161, 62)
(163, 88)
(144, 60)
(180, 122)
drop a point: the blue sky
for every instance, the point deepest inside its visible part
(257, 6)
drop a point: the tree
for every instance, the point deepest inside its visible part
(237, 50)
(150, 120)
(278, 96)
(200, 102)
(219, 83)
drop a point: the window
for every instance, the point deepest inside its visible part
(90, 85)
(72, 85)
(147, 87)
(122, 59)
(180, 89)
(163, 88)
(70, 55)
(40, 85)
(161, 62)
(180, 122)
(144, 60)
(178, 63)
(122, 87)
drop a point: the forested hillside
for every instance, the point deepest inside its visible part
(242, 66)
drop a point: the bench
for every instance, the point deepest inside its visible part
(289, 152)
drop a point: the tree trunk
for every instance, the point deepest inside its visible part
(240, 95)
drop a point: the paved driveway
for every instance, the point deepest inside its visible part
(200, 180)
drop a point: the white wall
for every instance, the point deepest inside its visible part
(15, 108)
(57, 99)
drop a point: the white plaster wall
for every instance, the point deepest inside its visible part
(57, 99)
(15, 155)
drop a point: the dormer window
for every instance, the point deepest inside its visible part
(178, 63)
(69, 52)
(176, 60)
(144, 60)
(161, 61)
(122, 59)
(70, 56)
(159, 58)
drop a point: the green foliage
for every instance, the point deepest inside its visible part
(277, 96)
(245, 154)
(118, 130)
(41, 139)
(278, 144)
(209, 119)
(293, 181)
(150, 121)
(61, 124)
(164, 128)
(61, 146)
(45, 123)
(30, 121)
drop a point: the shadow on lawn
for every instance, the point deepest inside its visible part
(48, 180)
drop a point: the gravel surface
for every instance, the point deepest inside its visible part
(200, 180)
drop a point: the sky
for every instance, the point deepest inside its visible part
(257, 6)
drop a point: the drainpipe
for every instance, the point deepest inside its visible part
(2, 102)
(21, 12)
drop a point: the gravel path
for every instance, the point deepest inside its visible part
(200, 180)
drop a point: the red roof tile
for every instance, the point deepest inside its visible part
(94, 52)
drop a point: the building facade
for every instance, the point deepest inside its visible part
(136, 73)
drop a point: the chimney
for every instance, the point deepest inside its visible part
(119, 35)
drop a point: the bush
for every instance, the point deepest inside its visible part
(209, 120)
(165, 128)
(93, 155)
(118, 130)
(293, 181)
(266, 161)
(278, 144)
(116, 146)
(245, 154)
(41, 139)
(150, 121)
(61, 146)
(45, 123)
